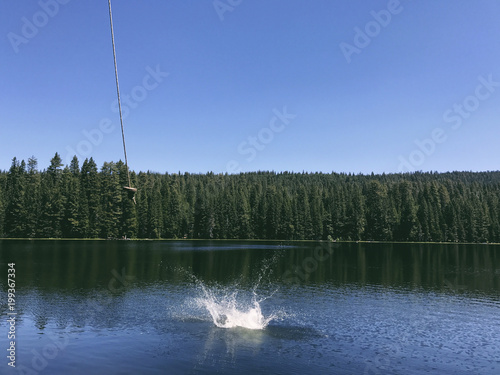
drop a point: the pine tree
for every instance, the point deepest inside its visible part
(304, 220)
(71, 191)
(339, 214)
(173, 218)
(355, 213)
(243, 212)
(272, 213)
(32, 198)
(52, 200)
(2, 204)
(128, 216)
(156, 209)
(377, 220)
(204, 218)
(142, 206)
(111, 201)
(407, 227)
(15, 211)
(90, 199)
(286, 228)
(315, 197)
(255, 219)
(72, 218)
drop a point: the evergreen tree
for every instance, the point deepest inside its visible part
(423, 219)
(90, 199)
(143, 229)
(272, 207)
(243, 210)
(32, 198)
(111, 202)
(355, 215)
(173, 218)
(71, 192)
(407, 229)
(377, 220)
(156, 209)
(204, 219)
(2, 204)
(128, 216)
(52, 200)
(304, 220)
(286, 228)
(16, 211)
(315, 197)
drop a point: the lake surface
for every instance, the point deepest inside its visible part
(198, 307)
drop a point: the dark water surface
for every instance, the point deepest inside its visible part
(197, 307)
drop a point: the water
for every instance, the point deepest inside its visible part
(195, 307)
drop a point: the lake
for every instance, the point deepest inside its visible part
(226, 307)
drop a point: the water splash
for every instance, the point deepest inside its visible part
(232, 306)
(229, 311)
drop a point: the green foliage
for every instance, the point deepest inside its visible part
(88, 203)
(15, 210)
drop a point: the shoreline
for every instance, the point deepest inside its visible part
(250, 240)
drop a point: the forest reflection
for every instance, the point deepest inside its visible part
(77, 265)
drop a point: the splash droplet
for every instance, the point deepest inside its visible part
(227, 311)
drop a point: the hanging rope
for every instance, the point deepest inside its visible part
(130, 189)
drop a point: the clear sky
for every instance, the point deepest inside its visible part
(244, 85)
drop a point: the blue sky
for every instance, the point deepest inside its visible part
(227, 86)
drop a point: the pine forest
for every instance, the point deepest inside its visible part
(89, 202)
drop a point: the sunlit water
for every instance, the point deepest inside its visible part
(235, 307)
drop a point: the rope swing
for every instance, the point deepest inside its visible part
(131, 191)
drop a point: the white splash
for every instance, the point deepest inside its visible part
(233, 306)
(227, 312)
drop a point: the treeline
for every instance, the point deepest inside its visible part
(87, 202)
